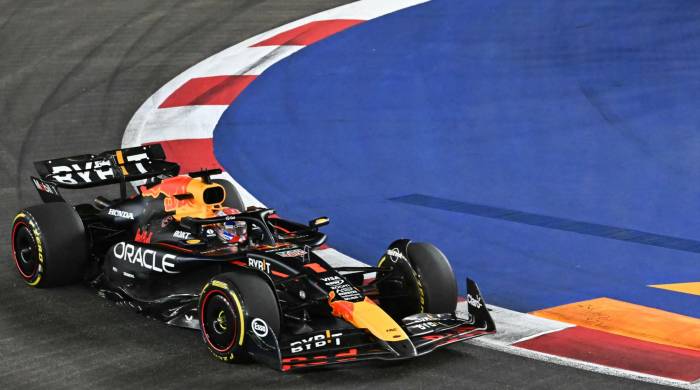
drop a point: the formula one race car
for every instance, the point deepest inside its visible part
(185, 250)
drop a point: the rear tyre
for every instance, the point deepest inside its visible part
(421, 283)
(49, 245)
(233, 198)
(227, 304)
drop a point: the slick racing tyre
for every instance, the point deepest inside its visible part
(227, 304)
(422, 281)
(49, 246)
(233, 198)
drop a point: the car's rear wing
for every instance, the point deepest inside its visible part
(110, 167)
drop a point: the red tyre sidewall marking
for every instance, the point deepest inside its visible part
(14, 251)
(203, 324)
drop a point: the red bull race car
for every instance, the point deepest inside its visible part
(184, 249)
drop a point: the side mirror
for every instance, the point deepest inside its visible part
(318, 222)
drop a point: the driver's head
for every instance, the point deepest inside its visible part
(233, 231)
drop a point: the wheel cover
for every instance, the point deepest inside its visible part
(24, 250)
(218, 320)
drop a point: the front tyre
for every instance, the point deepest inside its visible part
(418, 279)
(227, 304)
(49, 246)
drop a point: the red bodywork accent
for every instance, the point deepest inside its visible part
(280, 274)
(316, 267)
(301, 361)
(143, 237)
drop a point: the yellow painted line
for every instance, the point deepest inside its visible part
(687, 288)
(630, 320)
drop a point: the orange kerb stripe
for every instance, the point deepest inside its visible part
(692, 288)
(630, 320)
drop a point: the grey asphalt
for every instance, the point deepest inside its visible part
(72, 73)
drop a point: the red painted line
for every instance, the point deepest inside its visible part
(619, 351)
(309, 33)
(192, 154)
(202, 91)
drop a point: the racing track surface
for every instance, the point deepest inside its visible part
(71, 76)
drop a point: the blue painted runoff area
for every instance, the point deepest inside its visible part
(551, 149)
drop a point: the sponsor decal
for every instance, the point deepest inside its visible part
(181, 235)
(91, 171)
(143, 236)
(211, 233)
(219, 284)
(342, 289)
(395, 254)
(260, 264)
(45, 187)
(82, 173)
(293, 253)
(326, 339)
(259, 327)
(474, 301)
(146, 258)
(166, 221)
(120, 213)
(426, 325)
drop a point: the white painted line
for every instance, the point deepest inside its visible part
(191, 122)
(495, 345)
(242, 59)
(514, 326)
(248, 61)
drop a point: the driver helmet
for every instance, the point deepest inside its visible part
(232, 231)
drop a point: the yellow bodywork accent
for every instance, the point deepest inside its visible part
(367, 315)
(182, 185)
(120, 157)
